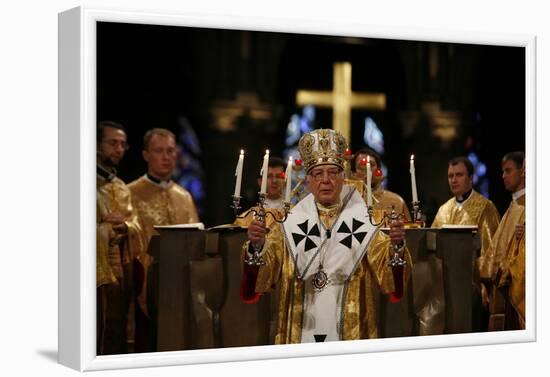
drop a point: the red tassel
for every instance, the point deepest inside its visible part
(397, 295)
(247, 290)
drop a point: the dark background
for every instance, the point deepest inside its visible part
(152, 76)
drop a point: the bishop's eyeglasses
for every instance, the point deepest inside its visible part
(319, 174)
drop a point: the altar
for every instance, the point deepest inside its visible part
(456, 249)
(194, 286)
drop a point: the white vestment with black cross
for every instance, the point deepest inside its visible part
(339, 249)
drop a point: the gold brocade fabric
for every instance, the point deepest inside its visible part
(513, 272)
(476, 210)
(356, 184)
(502, 240)
(114, 251)
(359, 311)
(104, 272)
(508, 254)
(159, 205)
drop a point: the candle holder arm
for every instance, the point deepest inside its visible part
(260, 213)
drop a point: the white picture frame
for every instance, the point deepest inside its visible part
(77, 125)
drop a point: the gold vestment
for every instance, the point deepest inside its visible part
(502, 240)
(159, 204)
(114, 274)
(359, 301)
(513, 273)
(475, 210)
(114, 251)
(508, 255)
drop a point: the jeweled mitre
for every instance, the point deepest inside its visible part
(322, 146)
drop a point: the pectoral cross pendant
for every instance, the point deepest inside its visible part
(320, 279)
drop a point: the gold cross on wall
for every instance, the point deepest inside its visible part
(342, 99)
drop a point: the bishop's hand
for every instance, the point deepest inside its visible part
(397, 232)
(257, 232)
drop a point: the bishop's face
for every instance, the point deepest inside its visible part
(513, 176)
(112, 147)
(459, 180)
(325, 182)
(160, 156)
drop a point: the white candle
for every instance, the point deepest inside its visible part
(263, 172)
(413, 180)
(239, 174)
(288, 176)
(369, 182)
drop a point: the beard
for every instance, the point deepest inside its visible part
(108, 162)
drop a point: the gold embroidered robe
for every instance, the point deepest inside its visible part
(502, 240)
(359, 302)
(476, 210)
(158, 204)
(115, 253)
(513, 273)
(508, 254)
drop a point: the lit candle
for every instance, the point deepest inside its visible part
(288, 176)
(239, 174)
(369, 181)
(263, 172)
(413, 180)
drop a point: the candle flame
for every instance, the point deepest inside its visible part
(242, 151)
(290, 158)
(267, 151)
(412, 157)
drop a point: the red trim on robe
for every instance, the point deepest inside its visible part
(397, 295)
(247, 290)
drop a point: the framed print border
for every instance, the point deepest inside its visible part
(77, 125)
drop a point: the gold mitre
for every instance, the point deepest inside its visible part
(321, 147)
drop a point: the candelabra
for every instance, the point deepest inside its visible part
(396, 259)
(260, 213)
(416, 213)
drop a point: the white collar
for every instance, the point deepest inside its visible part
(518, 194)
(461, 204)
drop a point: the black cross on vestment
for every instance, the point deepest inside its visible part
(355, 225)
(319, 337)
(314, 231)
